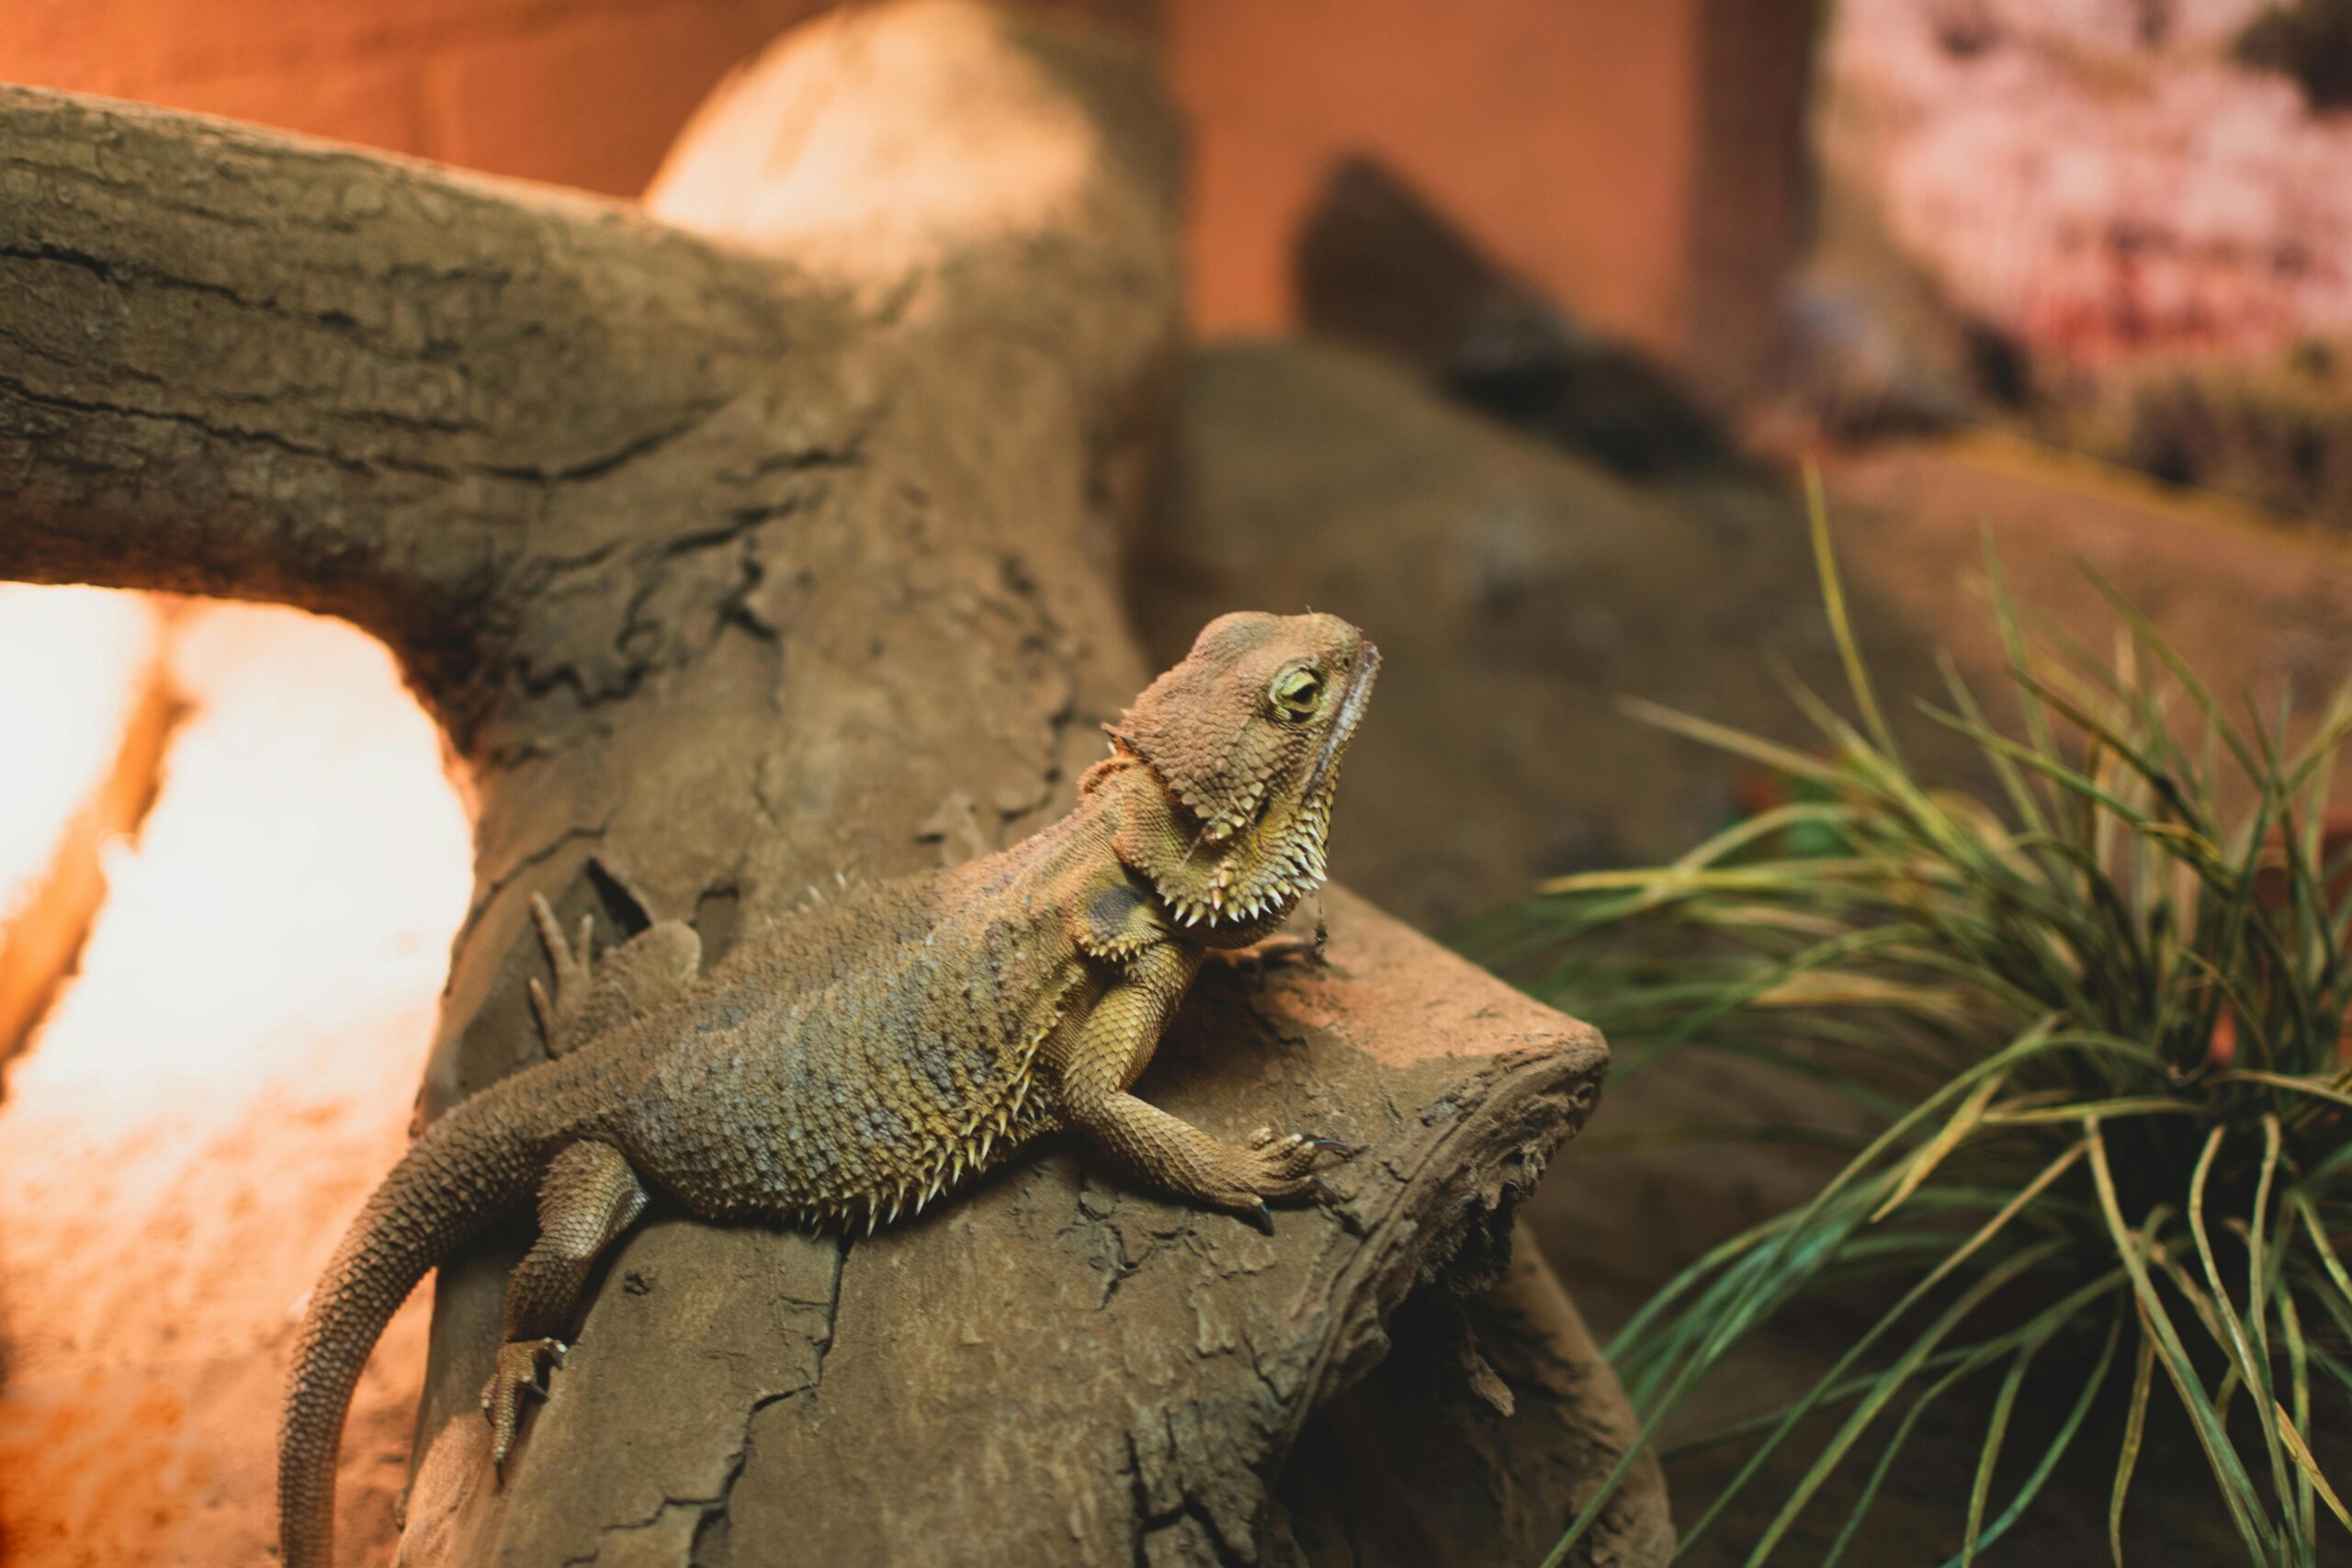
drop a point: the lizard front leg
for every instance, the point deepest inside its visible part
(1091, 1069)
(593, 993)
(588, 1196)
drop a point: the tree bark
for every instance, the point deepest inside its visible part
(765, 535)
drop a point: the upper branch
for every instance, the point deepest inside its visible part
(478, 416)
(241, 363)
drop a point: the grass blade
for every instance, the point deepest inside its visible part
(1948, 1139)
(2059, 1443)
(1853, 1353)
(1723, 737)
(2237, 1491)
(2303, 1454)
(1889, 1384)
(1833, 598)
(2255, 1371)
(2135, 1426)
(1995, 1429)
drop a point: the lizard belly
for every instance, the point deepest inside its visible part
(873, 1092)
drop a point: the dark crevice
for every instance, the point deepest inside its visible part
(491, 890)
(132, 275)
(1150, 1521)
(606, 1532)
(598, 467)
(595, 468)
(648, 642)
(194, 422)
(713, 1536)
(833, 1306)
(625, 912)
(718, 920)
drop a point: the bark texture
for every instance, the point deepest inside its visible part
(766, 535)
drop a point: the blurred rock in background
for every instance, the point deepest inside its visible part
(1378, 267)
(2136, 215)
(1521, 594)
(1518, 593)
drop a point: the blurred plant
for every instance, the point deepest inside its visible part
(2097, 1036)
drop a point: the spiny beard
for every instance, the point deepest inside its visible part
(1285, 872)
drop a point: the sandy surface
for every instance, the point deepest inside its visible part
(210, 1101)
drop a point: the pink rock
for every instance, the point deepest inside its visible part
(2097, 178)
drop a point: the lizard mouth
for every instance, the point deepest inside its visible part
(1343, 725)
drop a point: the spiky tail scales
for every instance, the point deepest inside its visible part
(473, 1164)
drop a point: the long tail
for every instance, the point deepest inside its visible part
(470, 1167)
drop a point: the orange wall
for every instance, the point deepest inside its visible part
(582, 92)
(1557, 132)
(585, 93)
(1635, 159)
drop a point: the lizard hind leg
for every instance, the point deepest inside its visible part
(588, 1196)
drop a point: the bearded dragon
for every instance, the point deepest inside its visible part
(857, 1060)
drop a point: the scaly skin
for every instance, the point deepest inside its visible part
(856, 1061)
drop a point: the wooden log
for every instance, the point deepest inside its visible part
(767, 536)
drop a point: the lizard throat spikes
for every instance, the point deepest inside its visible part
(1290, 853)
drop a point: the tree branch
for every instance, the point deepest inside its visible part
(245, 363)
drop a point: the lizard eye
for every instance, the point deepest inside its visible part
(1295, 693)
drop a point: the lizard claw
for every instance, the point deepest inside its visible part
(1263, 1218)
(574, 962)
(1280, 1158)
(520, 1366)
(1278, 1165)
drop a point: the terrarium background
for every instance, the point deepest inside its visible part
(1944, 233)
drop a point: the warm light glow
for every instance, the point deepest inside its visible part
(71, 663)
(209, 1100)
(788, 154)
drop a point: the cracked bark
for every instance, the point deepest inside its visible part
(728, 536)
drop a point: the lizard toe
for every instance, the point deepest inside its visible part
(1292, 1155)
(1293, 1186)
(518, 1371)
(1273, 1167)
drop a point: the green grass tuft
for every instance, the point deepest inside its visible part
(2096, 1029)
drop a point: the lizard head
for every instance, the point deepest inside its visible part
(1245, 739)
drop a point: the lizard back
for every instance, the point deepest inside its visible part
(873, 1053)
